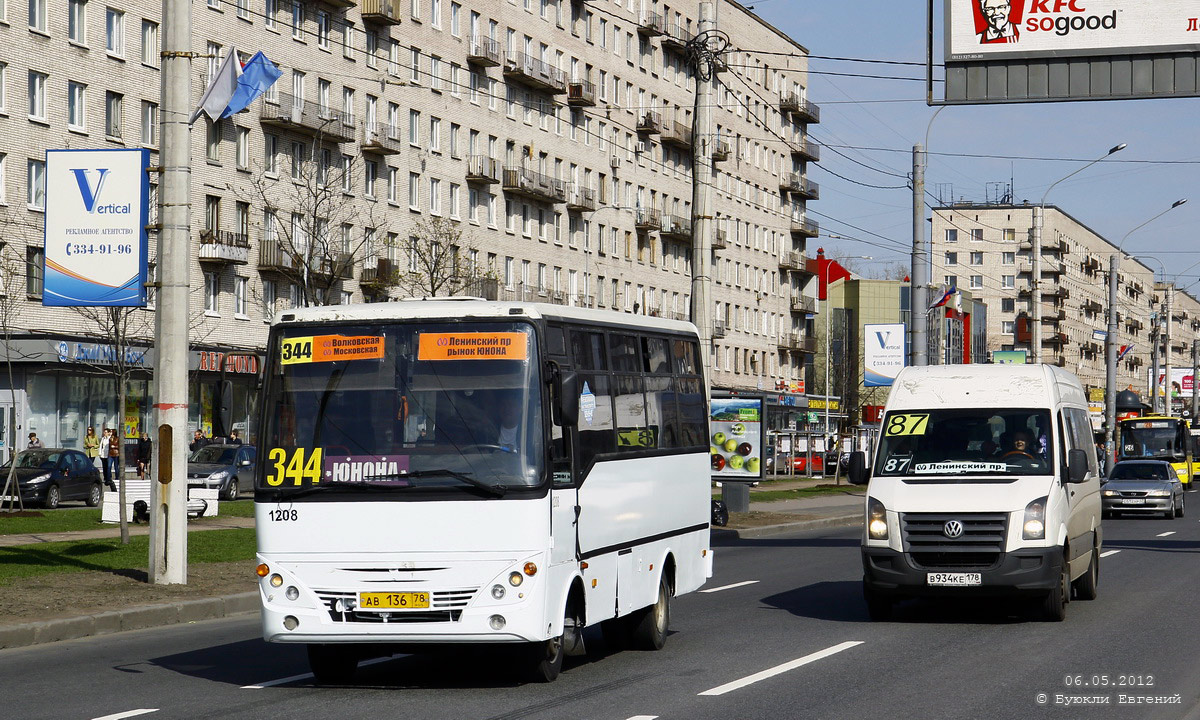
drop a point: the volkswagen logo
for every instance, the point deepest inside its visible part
(953, 529)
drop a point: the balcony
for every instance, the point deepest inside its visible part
(340, 3)
(333, 265)
(1057, 293)
(579, 198)
(792, 260)
(1061, 246)
(534, 73)
(802, 226)
(652, 25)
(677, 134)
(720, 150)
(676, 38)
(272, 257)
(1055, 317)
(675, 227)
(481, 287)
(381, 139)
(647, 219)
(222, 246)
(804, 305)
(482, 169)
(584, 301)
(718, 329)
(797, 342)
(296, 114)
(799, 108)
(799, 184)
(484, 52)
(581, 93)
(1055, 339)
(1092, 306)
(650, 124)
(380, 275)
(805, 149)
(1090, 265)
(720, 240)
(380, 12)
(534, 185)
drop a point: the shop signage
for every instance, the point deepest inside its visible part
(884, 353)
(239, 363)
(96, 354)
(819, 404)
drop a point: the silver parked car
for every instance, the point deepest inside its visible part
(1143, 486)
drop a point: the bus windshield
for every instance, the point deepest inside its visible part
(392, 407)
(1153, 439)
(929, 445)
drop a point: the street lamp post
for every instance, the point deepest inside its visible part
(829, 328)
(1110, 342)
(1035, 295)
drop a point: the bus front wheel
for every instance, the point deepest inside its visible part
(332, 664)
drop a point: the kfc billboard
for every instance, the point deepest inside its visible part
(986, 29)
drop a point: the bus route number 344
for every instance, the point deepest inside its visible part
(294, 465)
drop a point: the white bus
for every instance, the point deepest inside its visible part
(460, 471)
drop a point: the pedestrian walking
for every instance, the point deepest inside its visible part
(105, 440)
(143, 456)
(91, 445)
(114, 456)
(34, 443)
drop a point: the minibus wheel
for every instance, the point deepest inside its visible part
(1054, 606)
(1086, 586)
(650, 625)
(547, 660)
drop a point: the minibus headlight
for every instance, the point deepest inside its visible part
(1034, 526)
(276, 580)
(877, 527)
(515, 579)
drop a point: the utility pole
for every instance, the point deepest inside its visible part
(1155, 341)
(1167, 355)
(168, 496)
(1111, 347)
(703, 181)
(1035, 294)
(1195, 385)
(918, 349)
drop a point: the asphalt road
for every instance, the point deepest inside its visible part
(780, 632)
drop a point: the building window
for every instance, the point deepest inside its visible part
(976, 282)
(297, 20)
(951, 281)
(977, 235)
(1008, 282)
(1008, 258)
(455, 192)
(976, 258)
(77, 21)
(1008, 305)
(1006, 327)
(268, 300)
(239, 298)
(414, 68)
(435, 196)
(37, 95)
(372, 49)
(212, 291)
(435, 134)
(114, 108)
(414, 191)
(372, 176)
(3, 85)
(37, 16)
(34, 259)
(414, 128)
(243, 148)
(36, 186)
(149, 124)
(76, 105)
(322, 29)
(951, 258)
(213, 137)
(435, 72)
(114, 32)
(270, 154)
(951, 235)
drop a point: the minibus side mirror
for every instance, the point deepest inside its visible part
(1077, 466)
(856, 470)
(566, 398)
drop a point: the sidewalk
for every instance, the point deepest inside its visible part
(808, 514)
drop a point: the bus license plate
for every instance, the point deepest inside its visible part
(392, 601)
(1135, 501)
(954, 579)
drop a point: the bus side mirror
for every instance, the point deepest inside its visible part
(566, 398)
(1077, 466)
(856, 469)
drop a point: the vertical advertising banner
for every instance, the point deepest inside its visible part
(737, 426)
(883, 354)
(97, 207)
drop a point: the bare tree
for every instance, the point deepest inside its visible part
(127, 332)
(314, 232)
(440, 263)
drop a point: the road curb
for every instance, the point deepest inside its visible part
(769, 530)
(138, 618)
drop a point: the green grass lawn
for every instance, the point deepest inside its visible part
(110, 555)
(65, 519)
(757, 495)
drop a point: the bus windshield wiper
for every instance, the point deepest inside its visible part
(496, 490)
(362, 485)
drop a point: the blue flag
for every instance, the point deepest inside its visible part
(258, 74)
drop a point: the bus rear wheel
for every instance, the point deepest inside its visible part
(650, 625)
(332, 664)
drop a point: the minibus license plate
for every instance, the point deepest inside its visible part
(954, 579)
(392, 601)
(1135, 501)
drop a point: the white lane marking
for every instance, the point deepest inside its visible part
(772, 672)
(127, 714)
(1169, 532)
(1110, 552)
(644, 717)
(729, 587)
(305, 676)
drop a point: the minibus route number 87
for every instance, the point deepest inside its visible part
(458, 471)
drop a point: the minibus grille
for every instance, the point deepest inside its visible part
(444, 606)
(980, 545)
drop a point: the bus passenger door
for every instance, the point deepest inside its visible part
(564, 498)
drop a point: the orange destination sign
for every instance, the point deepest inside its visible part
(473, 346)
(328, 348)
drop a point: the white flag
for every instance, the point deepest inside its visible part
(220, 88)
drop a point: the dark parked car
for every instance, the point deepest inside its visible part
(222, 467)
(47, 476)
(1142, 486)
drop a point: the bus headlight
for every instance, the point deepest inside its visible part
(276, 580)
(515, 579)
(877, 527)
(498, 591)
(1034, 527)
(496, 622)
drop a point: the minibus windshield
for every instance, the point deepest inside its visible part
(932, 444)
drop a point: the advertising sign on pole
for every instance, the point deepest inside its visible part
(738, 432)
(883, 354)
(97, 208)
(1009, 357)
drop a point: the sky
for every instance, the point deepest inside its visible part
(1054, 139)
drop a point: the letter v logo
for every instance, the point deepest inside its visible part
(90, 195)
(882, 337)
